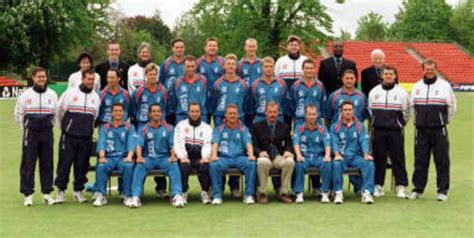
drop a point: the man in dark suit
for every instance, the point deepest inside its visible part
(113, 53)
(331, 69)
(372, 76)
(273, 148)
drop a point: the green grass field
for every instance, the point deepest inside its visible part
(388, 217)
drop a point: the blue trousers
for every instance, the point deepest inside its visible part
(219, 167)
(103, 171)
(366, 167)
(312, 161)
(170, 169)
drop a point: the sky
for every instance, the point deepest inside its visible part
(344, 16)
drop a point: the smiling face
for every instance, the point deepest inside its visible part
(308, 70)
(348, 80)
(117, 112)
(430, 71)
(293, 47)
(250, 48)
(378, 59)
(155, 113)
(311, 115)
(178, 49)
(113, 51)
(194, 112)
(88, 80)
(347, 112)
(152, 76)
(85, 64)
(231, 115)
(211, 48)
(190, 67)
(40, 78)
(145, 54)
(230, 66)
(389, 77)
(268, 69)
(338, 48)
(271, 113)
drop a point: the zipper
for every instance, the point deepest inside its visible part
(386, 99)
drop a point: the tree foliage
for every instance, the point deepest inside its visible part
(462, 23)
(371, 28)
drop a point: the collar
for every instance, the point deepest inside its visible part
(162, 122)
(39, 89)
(194, 123)
(194, 79)
(114, 62)
(112, 91)
(232, 127)
(84, 89)
(175, 61)
(429, 81)
(227, 80)
(294, 56)
(120, 125)
(306, 127)
(389, 86)
(152, 90)
(246, 60)
(354, 90)
(269, 83)
(313, 82)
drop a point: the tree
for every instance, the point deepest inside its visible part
(270, 22)
(187, 29)
(371, 28)
(42, 32)
(463, 24)
(154, 25)
(423, 20)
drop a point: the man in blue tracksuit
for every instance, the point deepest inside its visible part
(111, 95)
(211, 66)
(350, 144)
(266, 89)
(191, 87)
(348, 92)
(249, 68)
(171, 69)
(229, 89)
(232, 148)
(155, 151)
(150, 93)
(308, 90)
(312, 145)
(115, 151)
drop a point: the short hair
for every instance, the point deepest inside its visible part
(429, 61)
(85, 55)
(142, 46)
(346, 102)
(117, 72)
(268, 59)
(155, 104)
(113, 42)
(189, 58)
(392, 68)
(311, 106)
(230, 56)
(249, 40)
(349, 71)
(292, 38)
(308, 61)
(194, 104)
(176, 40)
(375, 52)
(37, 70)
(231, 105)
(210, 39)
(117, 104)
(150, 67)
(272, 104)
(89, 71)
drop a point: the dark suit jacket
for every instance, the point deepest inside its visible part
(102, 70)
(370, 79)
(262, 140)
(329, 75)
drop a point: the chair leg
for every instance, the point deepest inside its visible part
(241, 181)
(392, 184)
(310, 184)
(110, 186)
(348, 183)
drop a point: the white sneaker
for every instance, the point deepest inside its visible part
(127, 201)
(28, 201)
(442, 197)
(185, 198)
(216, 201)
(415, 195)
(400, 191)
(100, 200)
(48, 200)
(299, 198)
(135, 202)
(367, 197)
(339, 198)
(317, 193)
(236, 193)
(249, 200)
(378, 191)
(325, 198)
(61, 197)
(78, 196)
(205, 199)
(177, 201)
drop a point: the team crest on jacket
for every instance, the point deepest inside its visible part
(135, 74)
(377, 96)
(285, 66)
(224, 89)
(225, 135)
(186, 130)
(245, 71)
(28, 101)
(149, 135)
(171, 71)
(216, 70)
(75, 98)
(342, 135)
(198, 89)
(261, 90)
(303, 138)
